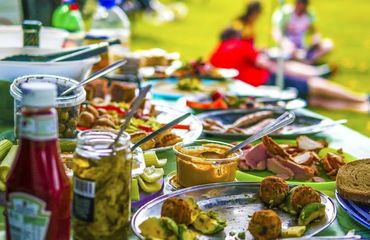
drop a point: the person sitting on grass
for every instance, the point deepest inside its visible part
(257, 69)
(291, 25)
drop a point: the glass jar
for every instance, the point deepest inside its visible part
(203, 161)
(68, 107)
(101, 186)
(31, 31)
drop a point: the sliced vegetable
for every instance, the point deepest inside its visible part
(7, 163)
(296, 231)
(198, 105)
(152, 174)
(135, 192)
(145, 128)
(310, 213)
(151, 159)
(149, 187)
(5, 146)
(182, 126)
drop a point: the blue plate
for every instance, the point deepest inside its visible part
(358, 212)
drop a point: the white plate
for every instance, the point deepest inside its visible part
(166, 114)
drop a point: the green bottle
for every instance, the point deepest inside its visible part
(31, 33)
(59, 13)
(68, 17)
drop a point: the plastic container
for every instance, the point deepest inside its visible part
(68, 107)
(197, 169)
(101, 189)
(12, 36)
(111, 21)
(10, 70)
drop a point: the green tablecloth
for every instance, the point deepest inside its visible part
(352, 142)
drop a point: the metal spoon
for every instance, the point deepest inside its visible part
(96, 75)
(160, 130)
(285, 119)
(135, 105)
(90, 51)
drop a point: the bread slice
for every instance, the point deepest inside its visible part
(353, 181)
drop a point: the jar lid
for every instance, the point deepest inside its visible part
(77, 97)
(31, 25)
(37, 94)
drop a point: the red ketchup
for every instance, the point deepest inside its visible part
(38, 191)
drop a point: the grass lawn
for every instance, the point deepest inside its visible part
(346, 22)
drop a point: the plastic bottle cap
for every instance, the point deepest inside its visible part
(108, 3)
(39, 94)
(74, 6)
(31, 24)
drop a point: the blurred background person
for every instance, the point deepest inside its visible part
(292, 25)
(235, 50)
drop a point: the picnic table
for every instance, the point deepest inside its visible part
(339, 136)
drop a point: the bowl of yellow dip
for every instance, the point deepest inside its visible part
(204, 161)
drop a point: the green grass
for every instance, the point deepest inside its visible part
(346, 22)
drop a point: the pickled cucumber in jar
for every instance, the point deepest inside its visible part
(102, 178)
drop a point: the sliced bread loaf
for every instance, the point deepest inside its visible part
(353, 181)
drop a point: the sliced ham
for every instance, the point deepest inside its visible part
(307, 144)
(255, 158)
(274, 165)
(300, 172)
(304, 158)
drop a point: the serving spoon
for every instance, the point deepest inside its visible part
(283, 120)
(96, 75)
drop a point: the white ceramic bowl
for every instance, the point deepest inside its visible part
(12, 36)
(10, 70)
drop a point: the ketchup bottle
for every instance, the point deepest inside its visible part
(38, 191)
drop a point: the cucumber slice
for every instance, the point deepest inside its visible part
(149, 187)
(150, 158)
(135, 192)
(152, 174)
(161, 162)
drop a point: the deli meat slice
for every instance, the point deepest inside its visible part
(274, 165)
(300, 172)
(255, 158)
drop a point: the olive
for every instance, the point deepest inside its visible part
(64, 115)
(72, 122)
(69, 133)
(61, 127)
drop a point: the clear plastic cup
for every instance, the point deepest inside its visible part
(68, 107)
(209, 167)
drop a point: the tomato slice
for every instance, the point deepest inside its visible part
(198, 105)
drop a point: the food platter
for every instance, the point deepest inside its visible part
(227, 117)
(327, 186)
(358, 212)
(235, 202)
